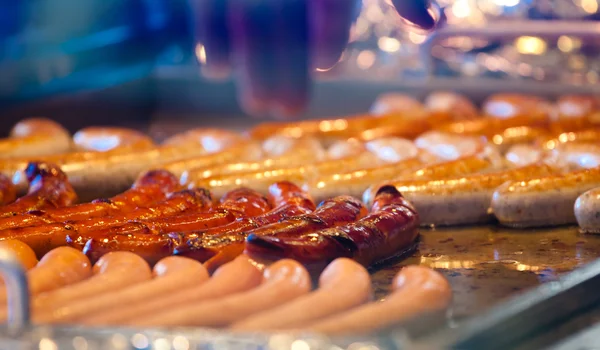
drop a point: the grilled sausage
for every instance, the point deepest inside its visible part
(450, 169)
(43, 238)
(354, 183)
(88, 171)
(398, 103)
(587, 207)
(460, 200)
(543, 200)
(151, 188)
(445, 105)
(147, 239)
(35, 137)
(389, 230)
(225, 243)
(107, 139)
(49, 188)
(8, 192)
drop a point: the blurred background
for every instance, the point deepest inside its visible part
(133, 61)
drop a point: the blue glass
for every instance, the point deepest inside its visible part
(49, 47)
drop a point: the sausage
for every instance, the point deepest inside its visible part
(153, 240)
(98, 241)
(293, 151)
(363, 127)
(345, 148)
(445, 105)
(232, 151)
(60, 267)
(460, 200)
(280, 152)
(523, 155)
(148, 239)
(335, 212)
(517, 136)
(222, 244)
(260, 175)
(170, 275)
(543, 200)
(49, 188)
(259, 181)
(107, 139)
(586, 136)
(388, 231)
(88, 171)
(115, 271)
(210, 140)
(285, 280)
(460, 167)
(525, 109)
(44, 237)
(398, 103)
(477, 127)
(449, 146)
(388, 150)
(463, 166)
(504, 111)
(21, 251)
(236, 277)
(326, 130)
(8, 192)
(343, 285)
(354, 183)
(88, 143)
(195, 175)
(575, 112)
(417, 290)
(574, 156)
(35, 137)
(587, 207)
(151, 188)
(392, 126)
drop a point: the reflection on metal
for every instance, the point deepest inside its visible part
(16, 284)
(528, 317)
(530, 58)
(487, 264)
(500, 30)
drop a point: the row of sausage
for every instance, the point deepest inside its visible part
(157, 218)
(122, 289)
(460, 191)
(94, 155)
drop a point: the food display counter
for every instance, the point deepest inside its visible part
(512, 288)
